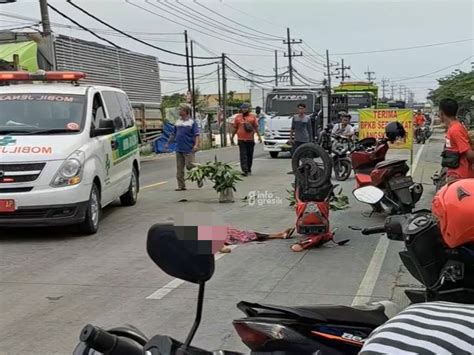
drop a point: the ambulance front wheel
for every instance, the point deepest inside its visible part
(90, 225)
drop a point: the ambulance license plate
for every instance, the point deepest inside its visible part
(7, 206)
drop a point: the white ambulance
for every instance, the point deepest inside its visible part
(66, 150)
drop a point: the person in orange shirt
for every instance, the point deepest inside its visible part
(246, 126)
(419, 121)
(458, 155)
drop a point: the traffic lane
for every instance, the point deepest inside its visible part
(164, 168)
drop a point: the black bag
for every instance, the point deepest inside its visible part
(248, 127)
(450, 159)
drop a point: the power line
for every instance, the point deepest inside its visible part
(191, 18)
(406, 48)
(130, 36)
(247, 71)
(197, 29)
(84, 28)
(253, 36)
(436, 71)
(184, 65)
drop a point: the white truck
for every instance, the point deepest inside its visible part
(281, 104)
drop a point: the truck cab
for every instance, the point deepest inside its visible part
(281, 104)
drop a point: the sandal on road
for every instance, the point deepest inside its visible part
(289, 233)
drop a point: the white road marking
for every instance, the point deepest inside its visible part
(366, 287)
(175, 283)
(154, 185)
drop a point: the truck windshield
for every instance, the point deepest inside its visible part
(41, 113)
(359, 100)
(285, 104)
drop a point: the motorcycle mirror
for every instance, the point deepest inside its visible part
(368, 194)
(177, 251)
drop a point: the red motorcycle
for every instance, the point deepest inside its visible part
(367, 153)
(312, 167)
(400, 192)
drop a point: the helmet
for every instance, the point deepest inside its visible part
(394, 130)
(453, 206)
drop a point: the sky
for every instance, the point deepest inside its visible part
(343, 27)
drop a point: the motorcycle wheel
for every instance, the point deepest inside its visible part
(342, 169)
(320, 156)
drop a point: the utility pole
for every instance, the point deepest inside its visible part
(342, 68)
(392, 96)
(45, 18)
(219, 95)
(276, 68)
(400, 90)
(224, 100)
(289, 41)
(193, 89)
(329, 87)
(384, 87)
(187, 60)
(369, 74)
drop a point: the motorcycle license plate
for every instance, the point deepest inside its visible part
(7, 206)
(400, 182)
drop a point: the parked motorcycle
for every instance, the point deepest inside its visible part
(339, 147)
(367, 153)
(447, 274)
(178, 258)
(400, 192)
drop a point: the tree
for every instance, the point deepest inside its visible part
(171, 101)
(232, 101)
(459, 86)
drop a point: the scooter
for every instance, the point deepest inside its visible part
(178, 258)
(422, 134)
(339, 147)
(401, 193)
(367, 153)
(447, 274)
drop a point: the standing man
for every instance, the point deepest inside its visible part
(301, 129)
(261, 120)
(246, 126)
(186, 137)
(458, 155)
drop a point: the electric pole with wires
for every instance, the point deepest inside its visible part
(384, 87)
(193, 89)
(392, 87)
(343, 68)
(328, 86)
(370, 74)
(45, 18)
(224, 103)
(187, 60)
(276, 68)
(289, 41)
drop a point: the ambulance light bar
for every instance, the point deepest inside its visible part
(41, 76)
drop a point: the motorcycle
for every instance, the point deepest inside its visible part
(422, 133)
(178, 258)
(312, 167)
(339, 147)
(447, 274)
(367, 153)
(401, 193)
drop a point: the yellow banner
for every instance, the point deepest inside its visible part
(372, 124)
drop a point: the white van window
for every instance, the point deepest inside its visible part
(41, 113)
(114, 109)
(126, 108)
(98, 112)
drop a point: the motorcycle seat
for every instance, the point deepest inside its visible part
(387, 163)
(371, 315)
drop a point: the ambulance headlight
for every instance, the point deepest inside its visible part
(70, 172)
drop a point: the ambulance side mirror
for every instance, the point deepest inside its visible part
(106, 127)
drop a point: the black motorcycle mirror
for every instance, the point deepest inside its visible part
(178, 252)
(368, 194)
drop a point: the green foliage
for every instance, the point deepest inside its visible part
(223, 175)
(458, 86)
(233, 102)
(171, 101)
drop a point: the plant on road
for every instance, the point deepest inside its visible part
(223, 175)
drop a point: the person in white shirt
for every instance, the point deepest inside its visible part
(344, 128)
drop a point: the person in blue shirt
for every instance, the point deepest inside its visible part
(186, 137)
(261, 120)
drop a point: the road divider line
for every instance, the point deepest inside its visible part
(154, 185)
(175, 283)
(367, 285)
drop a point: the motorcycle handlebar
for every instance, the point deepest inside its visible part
(373, 230)
(107, 343)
